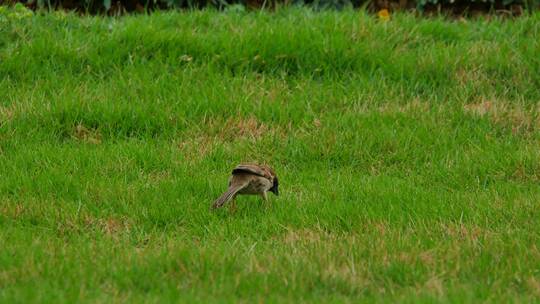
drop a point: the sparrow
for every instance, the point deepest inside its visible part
(249, 179)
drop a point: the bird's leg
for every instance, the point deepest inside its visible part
(265, 199)
(233, 205)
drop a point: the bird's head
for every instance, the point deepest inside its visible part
(275, 186)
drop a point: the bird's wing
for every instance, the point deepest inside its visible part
(253, 169)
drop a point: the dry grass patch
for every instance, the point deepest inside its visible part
(514, 116)
(414, 106)
(6, 113)
(305, 235)
(533, 285)
(463, 232)
(11, 210)
(87, 135)
(155, 177)
(434, 285)
(523, 173)
(113, 227)
(214, 132)
(244, 128)
(196, 148)
(263, 89)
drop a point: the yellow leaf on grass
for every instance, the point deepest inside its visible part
(384, 14)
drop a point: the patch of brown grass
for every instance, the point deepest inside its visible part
(213, 132)
(352, 273)
(533, 284)
(278, 91)
(112, 226)
(525, 174)
(506, 114)
(466, 76)
(12, 210)
(196, 147)
(258, 265)
(467, 73)
(409, 107)
(6, 113)
(84, 134)
(244, 128)
(158, 176)
(434, 286)
(464, 232)
(304, 235)
(266, 90)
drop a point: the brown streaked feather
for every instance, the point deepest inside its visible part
(235, 186)
(249, 179)
(259, 170)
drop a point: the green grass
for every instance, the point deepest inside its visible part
(407, 153)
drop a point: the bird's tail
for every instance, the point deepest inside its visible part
(227, 196)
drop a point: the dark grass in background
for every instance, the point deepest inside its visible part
(446, 7)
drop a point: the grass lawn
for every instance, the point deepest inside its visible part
(407, 153)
